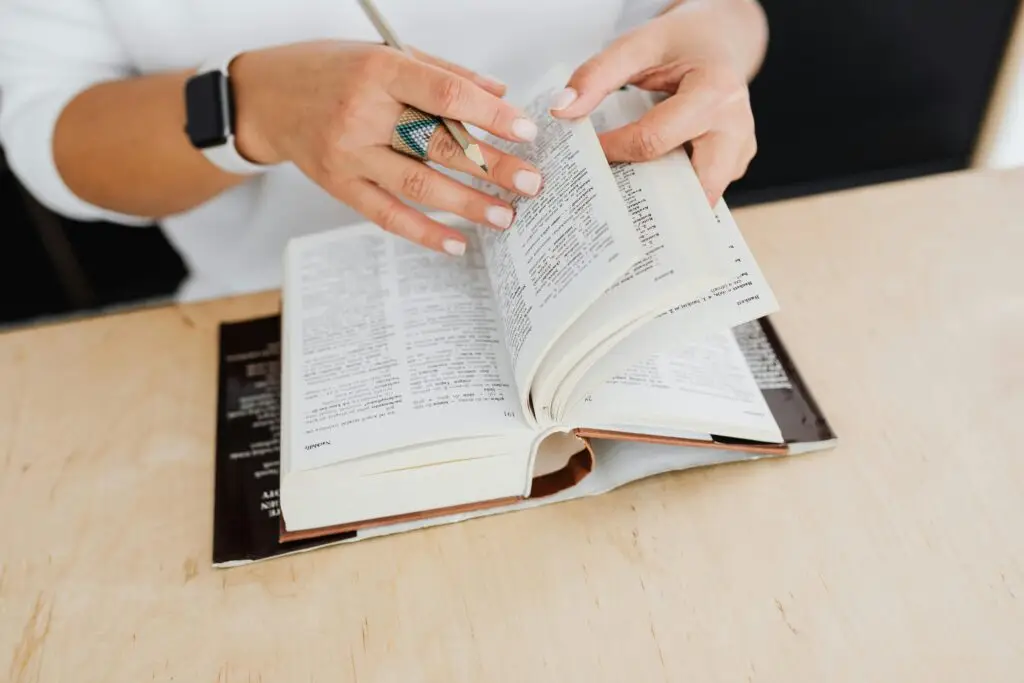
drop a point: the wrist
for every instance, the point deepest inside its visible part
(250, 138)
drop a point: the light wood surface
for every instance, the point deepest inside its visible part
(899, 556)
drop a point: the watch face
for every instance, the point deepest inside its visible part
(205, 104)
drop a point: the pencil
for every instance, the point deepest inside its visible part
(469, 146)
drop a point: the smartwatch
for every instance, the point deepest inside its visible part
(210, 118)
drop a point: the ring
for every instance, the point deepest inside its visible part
(413, 132)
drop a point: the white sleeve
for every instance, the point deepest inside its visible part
(49, 53)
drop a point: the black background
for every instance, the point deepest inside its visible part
(863, 91)
(852, 92)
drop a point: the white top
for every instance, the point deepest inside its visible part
(51, 51)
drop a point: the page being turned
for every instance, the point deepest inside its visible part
(681, 259)
(700, 385)
(387, 344)
(566, 246)
(743, 295)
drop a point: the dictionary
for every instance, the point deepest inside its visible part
(417, 385)
(247, 515)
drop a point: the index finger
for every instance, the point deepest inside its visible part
(443, 93)
(486, 82)
(665, 126)
(606, 72)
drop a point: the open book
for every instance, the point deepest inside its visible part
(247, 512)
(417, 385)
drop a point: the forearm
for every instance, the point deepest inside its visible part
(122, 146)
(738, 26)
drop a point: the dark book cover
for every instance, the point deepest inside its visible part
(800, 419)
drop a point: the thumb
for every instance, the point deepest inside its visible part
(603, 74)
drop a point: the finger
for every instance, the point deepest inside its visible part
(389, 213)
(504, 170)
(491, 85)
(747, 154)
(440, 92)
(679, 119)
(716, 160)
(604, 73)
(414, 180)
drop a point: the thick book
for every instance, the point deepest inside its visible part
(247, 513)
(418, 386)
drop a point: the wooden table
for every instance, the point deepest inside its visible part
(899, 556)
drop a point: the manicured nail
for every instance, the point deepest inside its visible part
(526, 182)
(524, 129)
(454, 247)
(563, 99)
(499, 216)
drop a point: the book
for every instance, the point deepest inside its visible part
(417, 386)
(247, 513)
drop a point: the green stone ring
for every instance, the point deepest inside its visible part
(413, 132)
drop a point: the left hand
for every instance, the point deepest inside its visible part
(701, 52)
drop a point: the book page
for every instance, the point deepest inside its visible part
(703, 385)
(566, 246)
(387, 344)
(742, 296)
(675, 225)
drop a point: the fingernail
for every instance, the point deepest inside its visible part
(499, 216)
(526, 182)
(454, 247)
(563, 99)
(524, 129)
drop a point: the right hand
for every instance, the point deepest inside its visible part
(330, 108)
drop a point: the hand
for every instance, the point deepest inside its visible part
(701, 52)
(331, 107)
